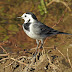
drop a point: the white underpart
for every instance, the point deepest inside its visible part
(30, 33)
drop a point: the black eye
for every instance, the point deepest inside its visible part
(25, 16)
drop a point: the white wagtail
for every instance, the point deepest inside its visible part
(37, 30)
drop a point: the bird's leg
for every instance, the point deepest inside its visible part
(41, 43)
(37, 45)
(37, 41)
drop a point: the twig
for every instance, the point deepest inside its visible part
(4, 59)
(18, 61)
(13, 60)
(68, 58)
(61, 18)
(49, 47)
(3, 49)
(58, 21)
(4, 54)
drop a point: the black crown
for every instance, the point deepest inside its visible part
(33, 16)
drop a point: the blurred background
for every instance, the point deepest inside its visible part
(57, 13)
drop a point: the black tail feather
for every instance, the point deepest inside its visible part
(64, 33)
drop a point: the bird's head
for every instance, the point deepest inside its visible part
(28, 17)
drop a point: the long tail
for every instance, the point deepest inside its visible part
(64, 33)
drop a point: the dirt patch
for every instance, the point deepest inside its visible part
(46, 60)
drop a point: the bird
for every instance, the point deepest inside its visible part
(36, 29)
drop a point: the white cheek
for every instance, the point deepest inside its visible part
(26, 20)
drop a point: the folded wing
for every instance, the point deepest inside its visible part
(41, 29)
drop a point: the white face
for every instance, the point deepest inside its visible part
(27, 17)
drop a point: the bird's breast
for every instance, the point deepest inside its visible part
(28, 29)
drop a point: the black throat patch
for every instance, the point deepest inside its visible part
(26, 26)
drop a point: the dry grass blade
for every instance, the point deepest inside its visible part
(60, 52)
(50, 3)
(68, 58)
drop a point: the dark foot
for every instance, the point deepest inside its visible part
(35, 54)
(41, 47)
